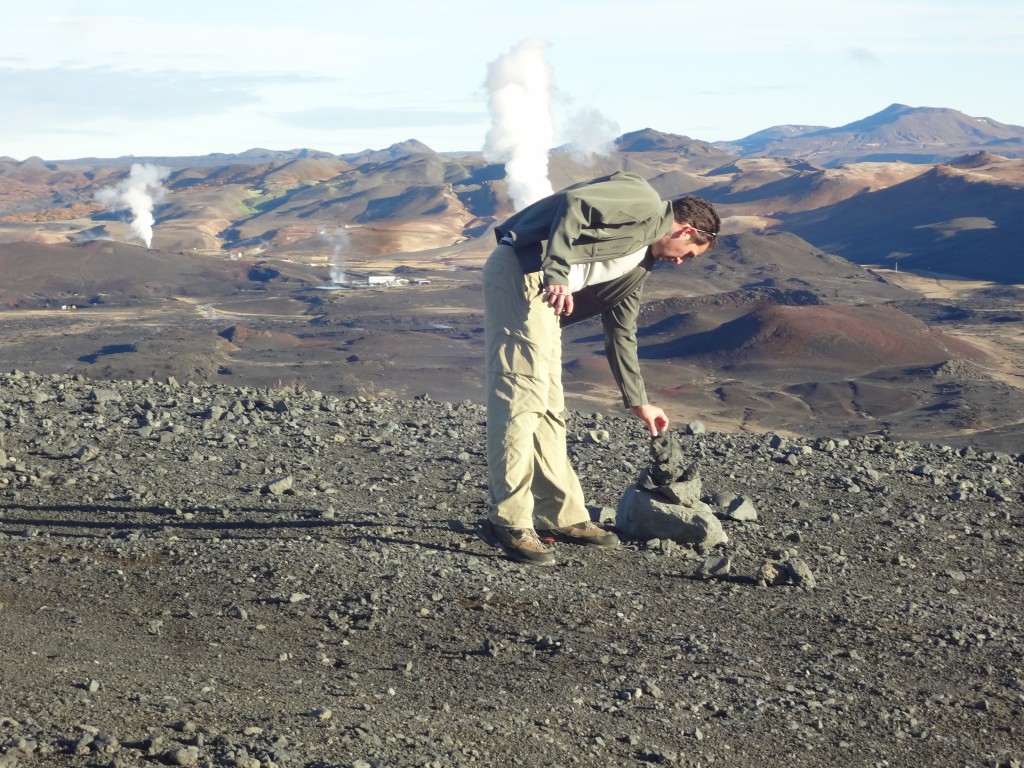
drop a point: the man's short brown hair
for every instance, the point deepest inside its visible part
(699, 214)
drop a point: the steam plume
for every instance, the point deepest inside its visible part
(589, 134)
(522, 132)
(138, 193)
(339, 241)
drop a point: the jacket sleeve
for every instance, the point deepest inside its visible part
(620, 346)
(569, 221)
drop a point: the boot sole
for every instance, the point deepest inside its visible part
(607, 542)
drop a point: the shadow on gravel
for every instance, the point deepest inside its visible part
(242, 527)
(163, 519)
(110, 349)
(746, 581)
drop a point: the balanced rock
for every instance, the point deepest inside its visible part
(685, 490)
(668, 462)
(665, 502)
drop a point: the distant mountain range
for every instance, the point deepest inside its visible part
(897, 133)
(917, 186)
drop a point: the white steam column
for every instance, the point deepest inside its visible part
(138, 194)
(339, 242)
(522, 131)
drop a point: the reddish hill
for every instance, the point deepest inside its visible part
(244, 337)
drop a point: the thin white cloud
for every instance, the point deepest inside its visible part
(864, 57)
(84, 94)
(346, 118)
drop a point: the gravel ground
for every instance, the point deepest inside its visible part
(209, 576)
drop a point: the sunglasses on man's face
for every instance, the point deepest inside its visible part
(712, 235)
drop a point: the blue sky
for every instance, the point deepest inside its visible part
(108, 78)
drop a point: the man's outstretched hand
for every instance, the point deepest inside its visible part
(652, 416)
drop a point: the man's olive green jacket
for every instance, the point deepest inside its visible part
(600, 220)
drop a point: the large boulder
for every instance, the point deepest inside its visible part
(643, 515)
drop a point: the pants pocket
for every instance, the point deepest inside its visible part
(515, 354)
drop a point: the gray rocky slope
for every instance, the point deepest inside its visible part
(206, 576)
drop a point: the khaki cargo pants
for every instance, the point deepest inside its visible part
(531, 481)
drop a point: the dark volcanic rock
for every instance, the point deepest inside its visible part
(668, 462)
(158, 607)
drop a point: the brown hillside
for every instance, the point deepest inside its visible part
(985, 166)
(774, 260)
(800, 187)
(844, 340)
(306, 170)
(36, 191)
(930, 223)
(669, 150)
(51, 275)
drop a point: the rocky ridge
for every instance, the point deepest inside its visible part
(197, 575)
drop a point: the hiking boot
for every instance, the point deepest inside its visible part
(587, 532)
(521, 544)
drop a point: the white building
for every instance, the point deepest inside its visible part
(387, 280)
